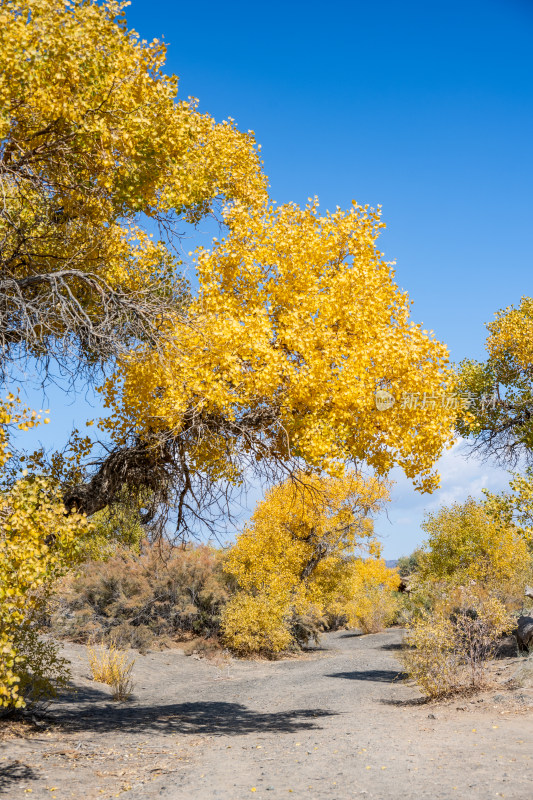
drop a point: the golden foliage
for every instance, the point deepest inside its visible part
(295, 554)
(471, 576)
(258, 622)
(92, 137)
(467, 543)
(38, 543)
(367, 596)
(297, 322)
(121, 135)
(500, 418)
(515, 508)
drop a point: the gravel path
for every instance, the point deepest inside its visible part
(335, 724)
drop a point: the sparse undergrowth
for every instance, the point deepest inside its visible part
(143, 601)
(448, 648)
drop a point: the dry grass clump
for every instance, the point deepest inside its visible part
(112, 666)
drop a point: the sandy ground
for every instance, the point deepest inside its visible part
(338, 723)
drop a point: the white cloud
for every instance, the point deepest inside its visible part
(461, 477)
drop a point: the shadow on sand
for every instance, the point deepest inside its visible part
(12, 774)
(392, 646)
(375, 675)
(90, 709)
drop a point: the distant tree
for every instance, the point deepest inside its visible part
(408, 564)
(467, 543)
(499, 421)
(295, 555)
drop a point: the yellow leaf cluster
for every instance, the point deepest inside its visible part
(515, 508)
(38, 542)
(511, 337)
(92, 137)
(296, 323)
(367, 595)
(466, 543)
(506, 376)
(124, 134)
(297, 553)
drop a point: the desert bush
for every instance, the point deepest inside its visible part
(41, 671)
(373, 603)
(38, 544)
(112, 665)
(447, 649)
(257, 623)
(144, 600)
(203, 648)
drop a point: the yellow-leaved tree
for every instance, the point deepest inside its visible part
(270, 368)
(38, 544)
(366, 595)
(290, 562)
(472, 572)
(467, 543)
(500, 418)
(93, 142)
(297, 320)
(296, 324)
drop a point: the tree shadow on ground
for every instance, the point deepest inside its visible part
(392, 646)
(210, 718)
(376, 675)
(11, 774)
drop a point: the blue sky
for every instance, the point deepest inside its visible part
(422, 107)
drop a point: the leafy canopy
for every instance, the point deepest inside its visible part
(500, 421)
(92, 141)
(296, 323)
(467, 543)
(295, 554)
(273, 364)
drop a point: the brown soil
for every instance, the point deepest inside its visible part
(337, 724)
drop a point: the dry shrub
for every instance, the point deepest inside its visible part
(141, 601)
(307, 624)
(203, 648)
(112, 666)
(256, 624)
(448, 647)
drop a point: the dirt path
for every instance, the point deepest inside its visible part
(336, 724)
